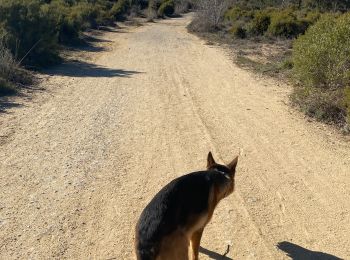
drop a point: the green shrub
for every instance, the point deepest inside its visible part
(6, 88)
(322, 64)
(237, 13)
(67, 23)
(321, 56)
(238, 31)
(86, 15)
(286, 24)
(120, 8)
(287, 64)
(347, 104)
(260, 23)
(29, 31)
(312, 17)
(166, 8)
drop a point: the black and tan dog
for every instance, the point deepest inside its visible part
(177, 215)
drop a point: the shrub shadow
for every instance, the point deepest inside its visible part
(93, 39)
(6, 104)
(87, 45)
(84, 69)
(300, 253)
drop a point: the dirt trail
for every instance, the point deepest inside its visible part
(81, 160)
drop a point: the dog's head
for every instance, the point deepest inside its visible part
(228, 171)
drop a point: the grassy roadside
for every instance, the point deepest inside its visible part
(274, 42)
(274, 58)
(266, 56)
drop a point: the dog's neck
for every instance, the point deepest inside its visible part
(227, 176)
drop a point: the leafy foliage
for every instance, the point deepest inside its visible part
(260, 23)
(321, 56)
(238, 31)
(322, 64)
(286, 24)
(34, 29)
(28, 31)
(167, 8)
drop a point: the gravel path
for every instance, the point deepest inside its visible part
(82, 158)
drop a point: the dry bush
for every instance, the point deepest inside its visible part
(152, 10)
(11, 75)
(181, 6)
(209, 14)
(7, 67)
(7, 63)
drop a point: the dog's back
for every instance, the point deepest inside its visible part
(182, 207)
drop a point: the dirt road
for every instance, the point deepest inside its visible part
(81, 159)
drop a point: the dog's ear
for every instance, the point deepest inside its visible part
(232, 166)
(210, 161)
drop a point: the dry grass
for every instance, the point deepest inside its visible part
(11, 74)
(270, 57)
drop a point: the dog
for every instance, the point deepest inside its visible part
(176, 216)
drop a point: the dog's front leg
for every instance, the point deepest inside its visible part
(195, 242)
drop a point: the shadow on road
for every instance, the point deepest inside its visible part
(300, 253)
(84, 69)
(6, 104)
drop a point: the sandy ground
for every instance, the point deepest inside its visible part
(81, 159)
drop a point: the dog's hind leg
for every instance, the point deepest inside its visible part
(195, 242)
(174, 247)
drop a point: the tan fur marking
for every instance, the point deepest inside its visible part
(195, 242)
(175, 247)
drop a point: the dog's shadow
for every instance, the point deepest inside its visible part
(213, 255)
(294, 251)
(300, 253)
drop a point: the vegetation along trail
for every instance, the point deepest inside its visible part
(82, 158)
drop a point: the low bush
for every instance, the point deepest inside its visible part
(152, 10)
(6, 88)
(10, 73)
(321, 56)
(238, 31)
(90, 15)
(34, 29)
(167, 8)
(347, 105)
(210, 15)
(8, 64)
(120, 8)
(68, 24)
(238, 14)
(201, 25)
(322, 64)
(285, 24)
(29, 31)
(182, 6)
(260, 23)
(312, 17)
(322, 104)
